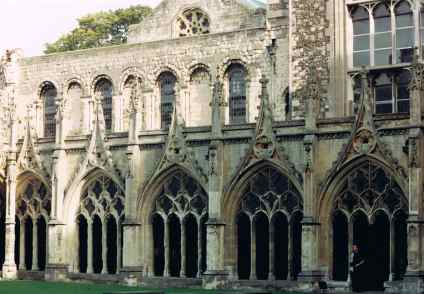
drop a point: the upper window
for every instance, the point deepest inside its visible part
(105, 89)
(237, 87)
(385, 39)
(49, 95)
(167, 83)
(192, 22)
(392, 93)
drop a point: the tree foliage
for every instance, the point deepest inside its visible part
(100, 29)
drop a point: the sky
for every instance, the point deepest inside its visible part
(29, 24)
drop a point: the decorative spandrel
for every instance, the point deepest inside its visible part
(269, 191)
(181, 195)
(103, 197)
(34, 200)
(193, 22)
(370, 187)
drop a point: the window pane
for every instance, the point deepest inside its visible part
(404, 20)
(405, 55)
(404, 38)
(383, 93)
(384, 108)
(382, 24)
(361, 27)
(361, 58)
(383, 40)
(361, 43)
(403, 106)
(383, 57)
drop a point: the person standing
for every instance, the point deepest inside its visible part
(356, 269)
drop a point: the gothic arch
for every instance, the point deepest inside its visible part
(43, 83)
(78, 80)
(233, 207)
(99, 77)
(131, 71)
(157, 207)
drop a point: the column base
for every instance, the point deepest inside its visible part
(132, 275)
(311, 276)
(413, 282)
(215, 279)
(10, 272)
(56, 272)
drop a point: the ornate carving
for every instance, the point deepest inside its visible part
(413, 152)
(364, 141)
(192, 22)
(34, 200)
(417, 72)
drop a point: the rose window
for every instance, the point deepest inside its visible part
(193, 22)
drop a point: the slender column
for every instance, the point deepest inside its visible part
(290, 251)
(22, 245)
(199, 248)
(104, 247)
(34, 245)
(183, 250)
(89, 246)
(271, 243)
(166, 245)
(119, 248)
(349, 246)
(253, 251)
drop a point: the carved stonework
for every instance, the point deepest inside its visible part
(417, 71)
(413, 152)
(364, 141)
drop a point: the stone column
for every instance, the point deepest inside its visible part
(34, 245)
(290, 251)
(9, 266)
(104, 246)
(310, 226)
(22, 245)
(119, 248)
(90, 269)
(166, 245)
(199, 248)
(216, 275)
(183, 251)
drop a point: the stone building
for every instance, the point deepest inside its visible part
(229, 143)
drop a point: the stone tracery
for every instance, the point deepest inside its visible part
(193, 22)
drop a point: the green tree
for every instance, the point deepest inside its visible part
(100, 29)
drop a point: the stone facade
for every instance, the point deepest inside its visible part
(220, 147)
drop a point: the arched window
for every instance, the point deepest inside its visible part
(402, 91)
(361, 36)
(382, 35)
(33, 205)
(383, 94)
(105, 89)
(200, 98)
(178, 227)
(100, 235)
(268, 243)
(74, 97)
(404, 32)
(167, 83)
(49, 95)
(237, 94)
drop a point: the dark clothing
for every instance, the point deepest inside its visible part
(357, 266)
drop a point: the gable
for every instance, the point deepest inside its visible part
(221, 16)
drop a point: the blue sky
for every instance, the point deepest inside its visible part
(29, 24)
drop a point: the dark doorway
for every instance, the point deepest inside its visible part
(281, 248)
(82, 248)
(42, 243)
(204, 247)
(296, 223)
(262, 246)
(174, 246)
(340, 247)
(28, 243)
(112, 249)
(17, 241)
(244, 250)
(401, 245)
(191, 236)
(97, 245)
(158, 245)
(360, 232)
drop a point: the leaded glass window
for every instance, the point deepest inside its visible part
(392, 93)
(361, 37)
(404, 32)
(237, 87)
(167, 83)
(193, 22)
(105, 89)
(49, 95)
(382, 35)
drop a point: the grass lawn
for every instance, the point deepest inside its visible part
(32, 287)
